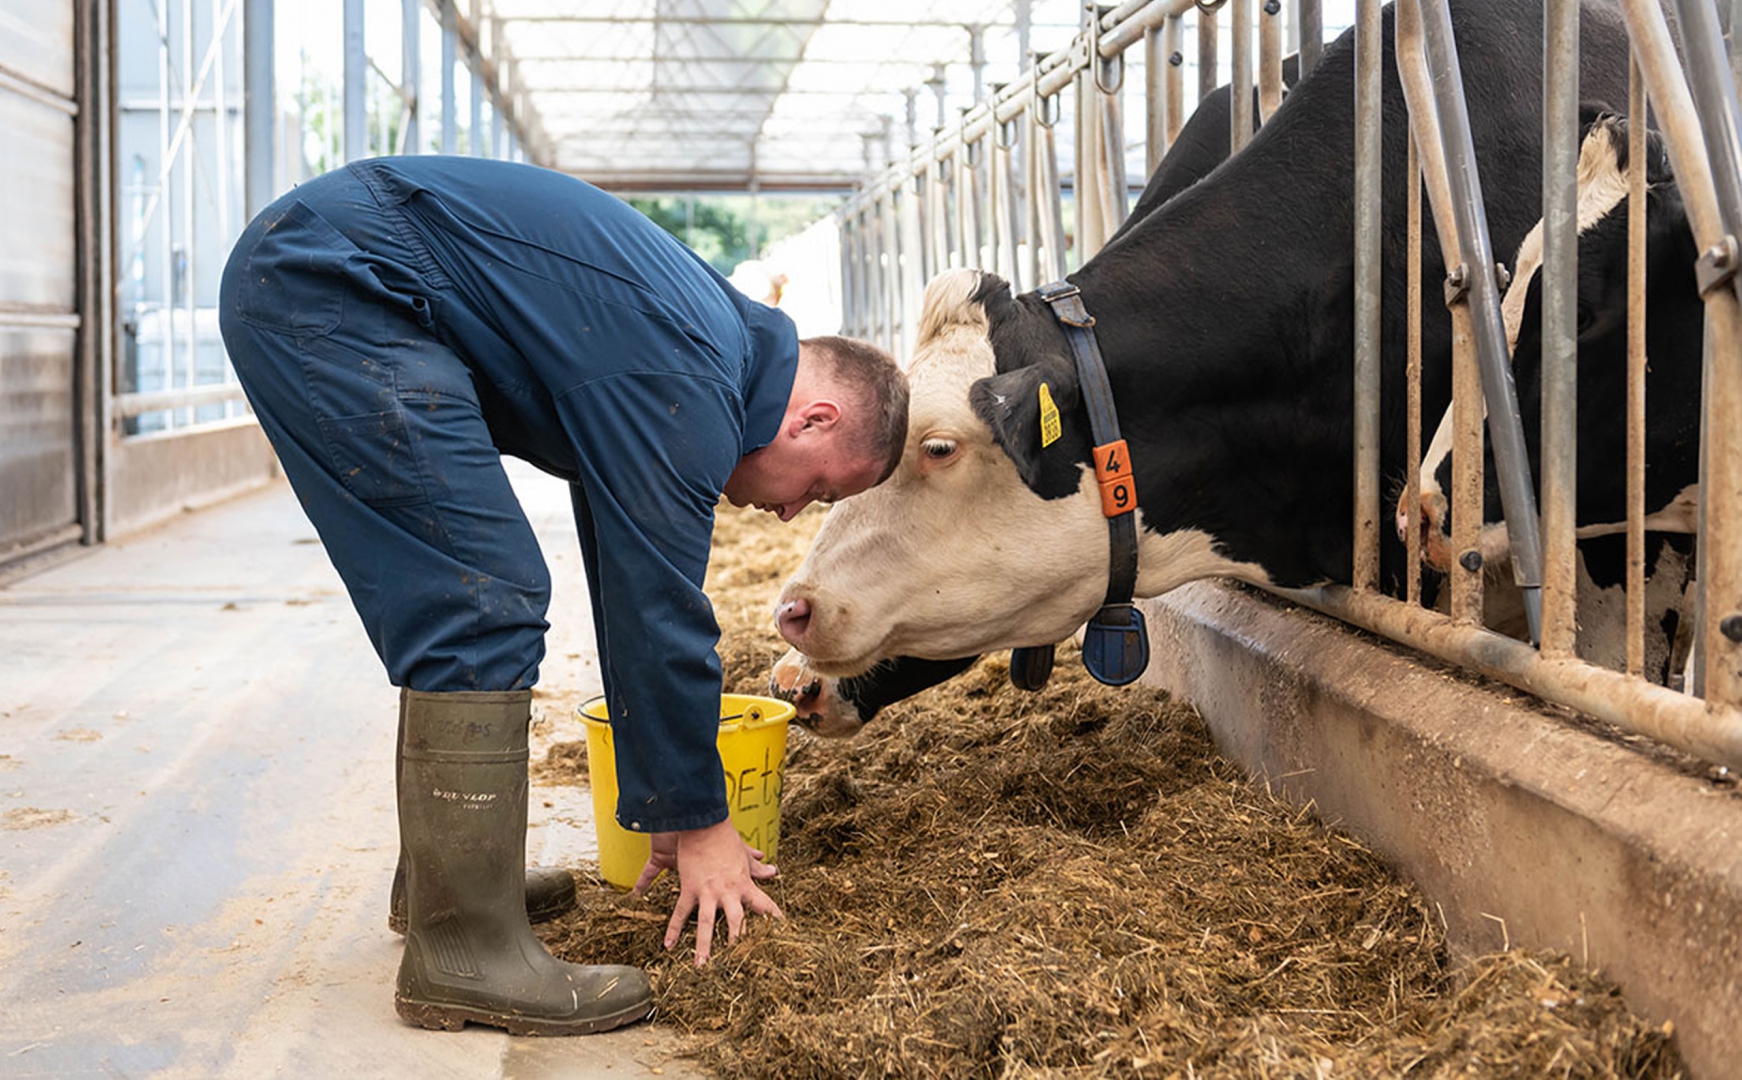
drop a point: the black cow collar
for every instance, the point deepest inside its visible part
(1116, 641)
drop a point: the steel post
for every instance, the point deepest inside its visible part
(260, 123)
(1368, 288)
(356, 83)
(1560, 316)
(1505, 427)
(1720, 551)
(1240, 112)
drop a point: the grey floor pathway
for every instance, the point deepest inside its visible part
(197, 821)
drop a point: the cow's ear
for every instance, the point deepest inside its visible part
(1025, 409)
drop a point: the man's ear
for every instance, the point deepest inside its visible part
(820, 415)
(1024, 421)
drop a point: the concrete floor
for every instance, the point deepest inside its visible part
(197, 820)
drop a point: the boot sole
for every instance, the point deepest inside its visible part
(438, 1017)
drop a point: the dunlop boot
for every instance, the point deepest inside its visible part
(550, 890)
(470, 954)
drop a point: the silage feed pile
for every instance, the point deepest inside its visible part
(991, 883)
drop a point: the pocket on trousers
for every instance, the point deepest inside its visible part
(372, 456)
(292, 280)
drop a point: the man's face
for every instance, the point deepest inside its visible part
(798, 469)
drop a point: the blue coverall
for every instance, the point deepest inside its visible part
(402, 322)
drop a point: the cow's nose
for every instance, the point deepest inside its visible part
(794, 618)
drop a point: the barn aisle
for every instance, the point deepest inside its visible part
(197, 822)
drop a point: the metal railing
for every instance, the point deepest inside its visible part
(924, 214)
(204, 155)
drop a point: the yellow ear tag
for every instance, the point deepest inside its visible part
(1050, 427)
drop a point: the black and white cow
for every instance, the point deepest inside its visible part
(837, 707)
(1674, 327)
(1226, 320)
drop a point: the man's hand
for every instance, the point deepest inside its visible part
(717, 872)
(663, 857)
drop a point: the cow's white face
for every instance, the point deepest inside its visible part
(953, 554)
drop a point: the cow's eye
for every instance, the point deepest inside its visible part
(937, 449)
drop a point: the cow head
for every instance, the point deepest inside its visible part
(979, 540)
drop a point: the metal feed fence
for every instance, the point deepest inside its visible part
(987, 192)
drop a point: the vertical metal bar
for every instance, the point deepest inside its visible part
(928, 221)
(1636, 106)
(1085, 182)
(166, 236)
(356, 68)
(1154, 98)
(1004, 200)
(861, 277)
(450, 132)
(225, 170)
(892, 271)
(1240, 114)
(1032, 197)
(943, 228)
(411, 71)
(986, 171)
(844, 233)
(1512, 462)
(1719, 557)
(1412, 382)
(922, 212)
(1269, 58)
(875, 306)
(498, 92)
(1312, 35)
(880, 270)
(1368, 264)
(1735, 52)
(913, 258)
(189, 155)
(973, 219)
(961, 183)
(1465, 575)
(1051, 198)
(1209, 62)
(868, 261)
(1115, 191)
(1172, 34)
(260, 115)
(95, 280)
(1560, 324)
(867, 274)
(475, 132)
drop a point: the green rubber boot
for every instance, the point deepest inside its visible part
(470, 954)
(550, 890)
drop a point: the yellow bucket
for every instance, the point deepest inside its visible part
(752, 752)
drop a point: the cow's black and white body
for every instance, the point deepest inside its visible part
(1674, 327)
(1226, 320)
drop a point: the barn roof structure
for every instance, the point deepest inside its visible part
(755, 94)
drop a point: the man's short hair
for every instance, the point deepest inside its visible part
(879, 388)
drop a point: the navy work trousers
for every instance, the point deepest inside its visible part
(326, 313)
